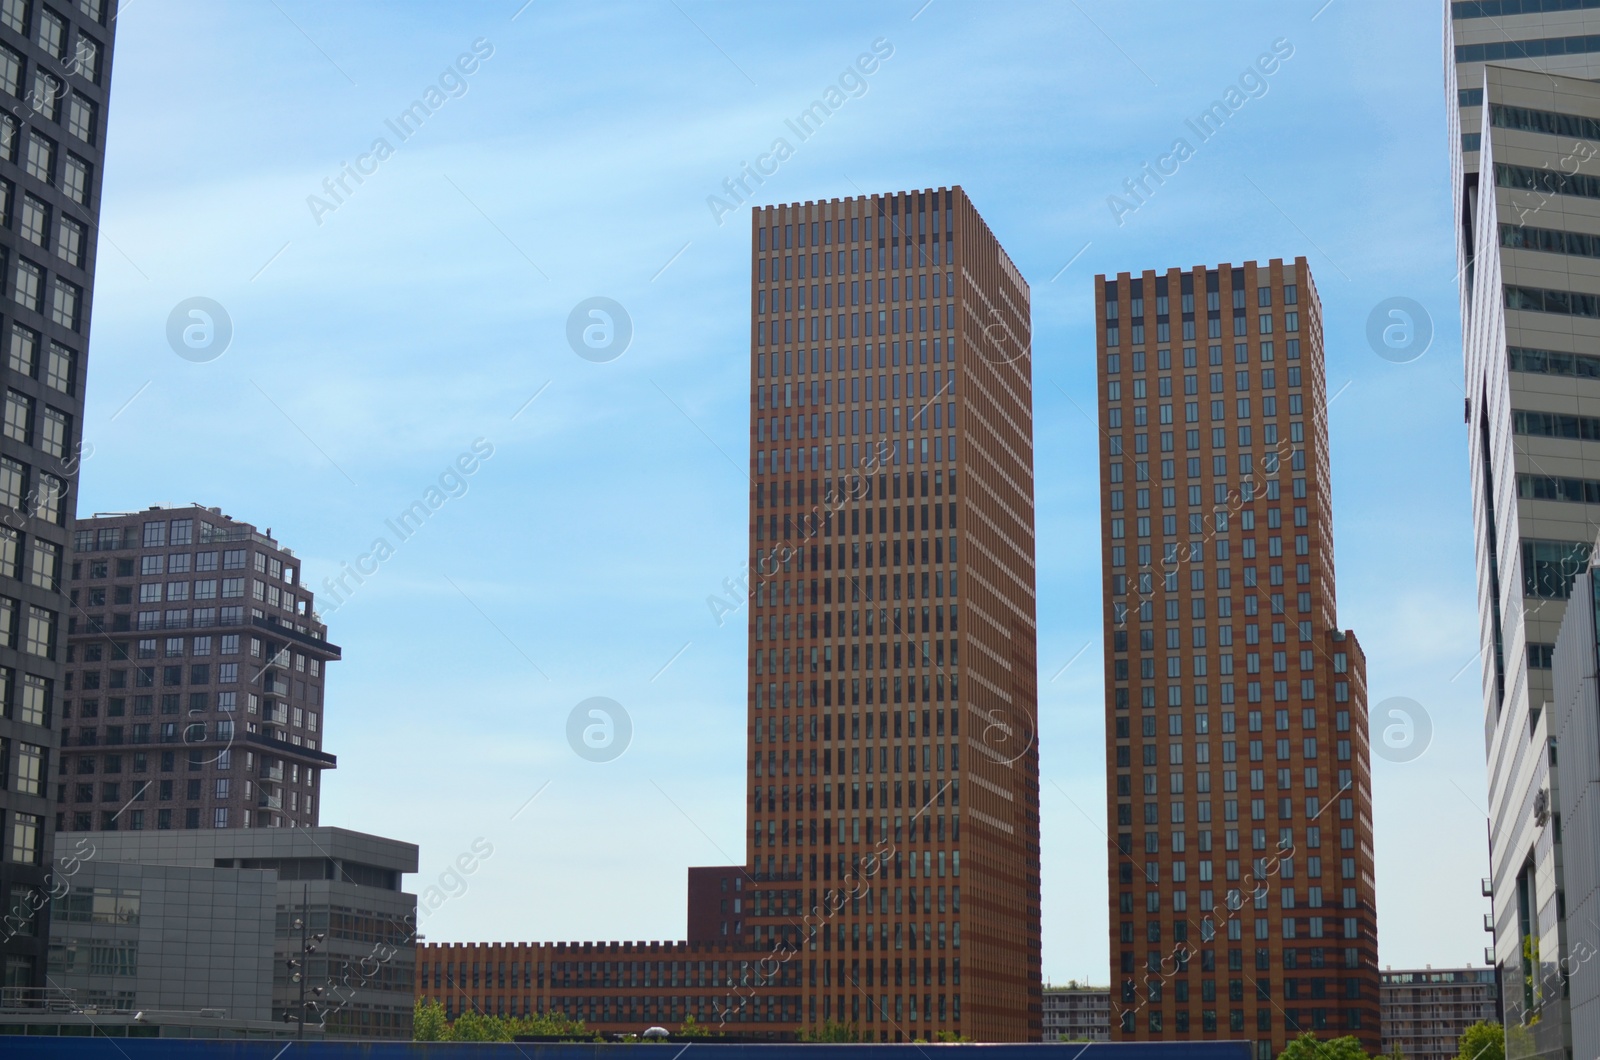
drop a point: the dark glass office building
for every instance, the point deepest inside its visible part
(55, 77)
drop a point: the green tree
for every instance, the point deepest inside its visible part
(1309, 1047)
(951, 1036)
(692, 1028)
(475, 1027)
(1482, 1041)
(428, 1023)
(551, 1024)
(832, 1032)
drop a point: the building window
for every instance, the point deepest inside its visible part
(70, 241)
(80, 118)
(41, 160)
(10, 71)
(53, 435)
(59, 368)
(75, 182)
(46, 97)
(34, 706)
(14, 16)
(22, 352)
(52, 34)
(30, 283)
(41, 632)
(28, 769)
(64, 301)
(46, 564)
(27, 838)
(35, 220)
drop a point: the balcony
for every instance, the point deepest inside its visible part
(1488, 887)
(269, 802)
(1488, 956)
(272, 773)
(286, 749)
(327, 650)
(1488, 921)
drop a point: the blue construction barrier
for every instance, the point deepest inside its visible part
(52, 1048)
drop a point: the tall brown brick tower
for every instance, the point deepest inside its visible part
(894, 795)
(1238, 790)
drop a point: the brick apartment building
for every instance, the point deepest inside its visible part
(1425, 1010)
(1237, 781)
(193, 695)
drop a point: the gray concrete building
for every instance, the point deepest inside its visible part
(132, 937)
(1524, 121)
(190, 921)
(1077, 1013)
(1425, 1010)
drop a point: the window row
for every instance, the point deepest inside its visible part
(145, 676)
(40, 224)
(859, 830)
(932, 253)
(1136, 337)
(939, 449)
(888, 356)
(30, 628)
(877, 657)
(821, 392)
(1200, 664)
(184, 618)
(929, 415)
(177, 563)
(1194, 495)
(835, 493)
(139, 820)
(1122, 697)
(1266, 350)
(1139, 389)
(1136, 294)
(41, 157)
(804, 694)
(1552, 362)
(66, 298)
(271, 770)
(886, 222)
(209, 589)
(914, 289)
(1219, 440)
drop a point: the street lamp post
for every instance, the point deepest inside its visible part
(299, 967)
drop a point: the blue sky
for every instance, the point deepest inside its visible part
(374, 343)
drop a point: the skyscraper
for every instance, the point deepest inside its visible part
(1237, 781)
(55, 76)
(893, 784)
(1524, 112)
(891, 879)
(195, 674)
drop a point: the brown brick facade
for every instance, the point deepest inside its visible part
(892, 853)
(1237, 782)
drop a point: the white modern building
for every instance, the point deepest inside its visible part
(1524, 123)
(1575, 731)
